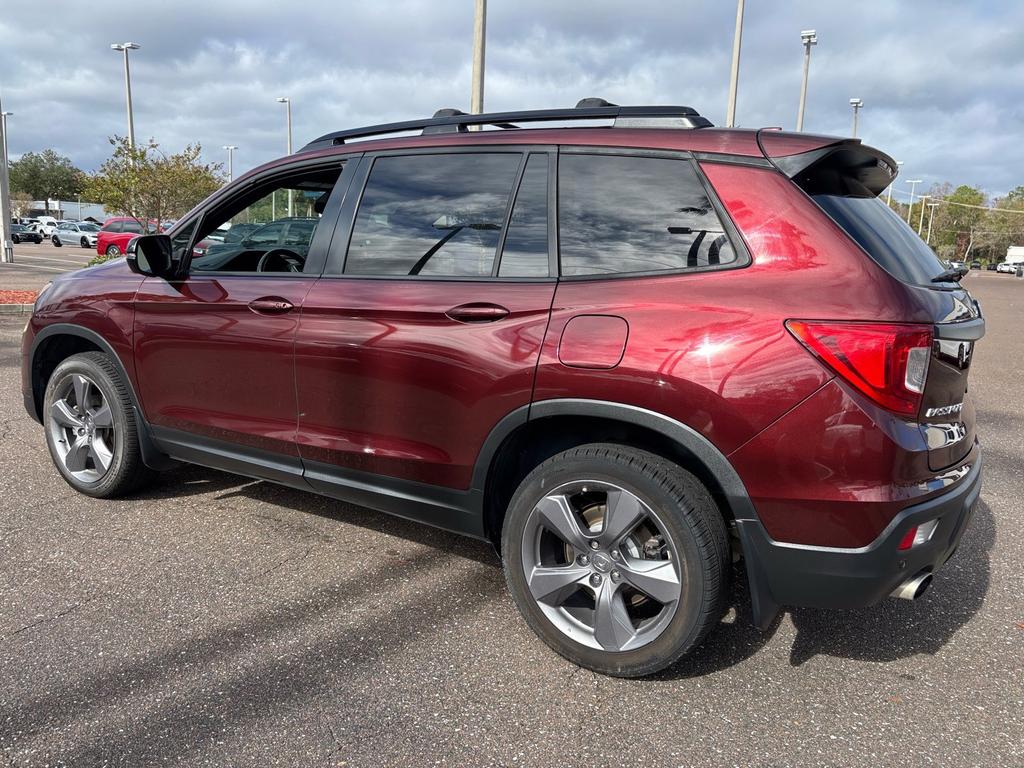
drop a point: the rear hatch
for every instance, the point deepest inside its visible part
(845, 179)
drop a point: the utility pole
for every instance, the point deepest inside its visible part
(931, 215)
(476, 105)
(809, 38)
(734, 73)
(231, 165)
(920, 223)
(856, 104)
(288, 108)
(125, 47)
(888, 196)
(6, 247)
(913, 183)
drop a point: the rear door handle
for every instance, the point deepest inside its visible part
(477, 312)
(270, 305)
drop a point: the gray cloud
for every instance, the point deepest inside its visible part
(942, 82)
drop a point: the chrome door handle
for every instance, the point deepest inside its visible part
(271, 305)
(477, 312)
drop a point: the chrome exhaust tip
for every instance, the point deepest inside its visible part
(913, 588)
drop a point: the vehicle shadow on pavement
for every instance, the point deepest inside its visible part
(898, 629)
(194, 480)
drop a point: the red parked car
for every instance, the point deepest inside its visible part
(118, 231)
(619, 353)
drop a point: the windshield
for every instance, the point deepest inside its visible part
(886, 237)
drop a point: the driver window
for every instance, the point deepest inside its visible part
(268, 230)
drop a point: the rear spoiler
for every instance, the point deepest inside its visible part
(816, 162)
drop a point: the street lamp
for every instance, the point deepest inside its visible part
(856, 104)
(476, 104)
(888, 196)
(734, 73)
(809, 38)
(231, 155)
(931, 215)
(6, 246)
(125, 47)
(288, 108)
(3, 117)
(913, 183)
(920, 223)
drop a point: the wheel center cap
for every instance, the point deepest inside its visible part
(601, 562)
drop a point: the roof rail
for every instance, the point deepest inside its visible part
(455, 121)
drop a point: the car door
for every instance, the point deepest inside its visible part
(214, 351)
(425, 330)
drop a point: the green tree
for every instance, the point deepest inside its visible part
(45, 175)
(145, 183)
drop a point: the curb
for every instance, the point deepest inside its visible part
(16, 309)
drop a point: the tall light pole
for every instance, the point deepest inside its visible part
(856, 104)
(476, 105)
(3, 118)
(809, 38)
(6, 246)
(231, 165)
(734, 73)
(888, 196)
(931, 215)
(913, 183)
(125, 47)
(288, 108)
(920, 223)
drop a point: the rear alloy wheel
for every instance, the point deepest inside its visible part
(90, 427)
(113, 251)
(617, 558)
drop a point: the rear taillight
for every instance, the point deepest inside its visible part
(888, 362)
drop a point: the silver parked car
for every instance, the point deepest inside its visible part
(83, 233)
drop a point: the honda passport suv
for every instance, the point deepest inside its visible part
(627, 354)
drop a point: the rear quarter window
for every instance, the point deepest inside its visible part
(623, 214)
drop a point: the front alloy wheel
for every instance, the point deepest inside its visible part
(82, 428)
(91, 427)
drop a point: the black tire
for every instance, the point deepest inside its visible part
(84, 243)
(56, 241)
(15, 239)
(127, 472)
(113, 251)
(689, 516)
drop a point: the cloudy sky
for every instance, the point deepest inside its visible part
(942, 81)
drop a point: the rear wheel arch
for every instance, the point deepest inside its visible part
(557, 425)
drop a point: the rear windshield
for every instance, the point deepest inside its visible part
(886, 237)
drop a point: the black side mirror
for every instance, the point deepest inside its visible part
(150, 255)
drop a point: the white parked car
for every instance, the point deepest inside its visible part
(1007, 267)
(83, 233)
(47, 225)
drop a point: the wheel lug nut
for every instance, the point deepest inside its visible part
(595, 545)
(596, 579)
(583, 560)
(615, 554)
(616, 576)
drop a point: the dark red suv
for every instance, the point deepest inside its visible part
(622, 353)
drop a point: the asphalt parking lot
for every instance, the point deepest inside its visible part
(221, 621)
(36, 264)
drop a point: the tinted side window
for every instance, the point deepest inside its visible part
(635, 214)
(113, 226)
(267, 235)
(525, 253)
(432, 215)
(131, 226)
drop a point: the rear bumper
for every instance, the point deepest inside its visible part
(826, 577)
